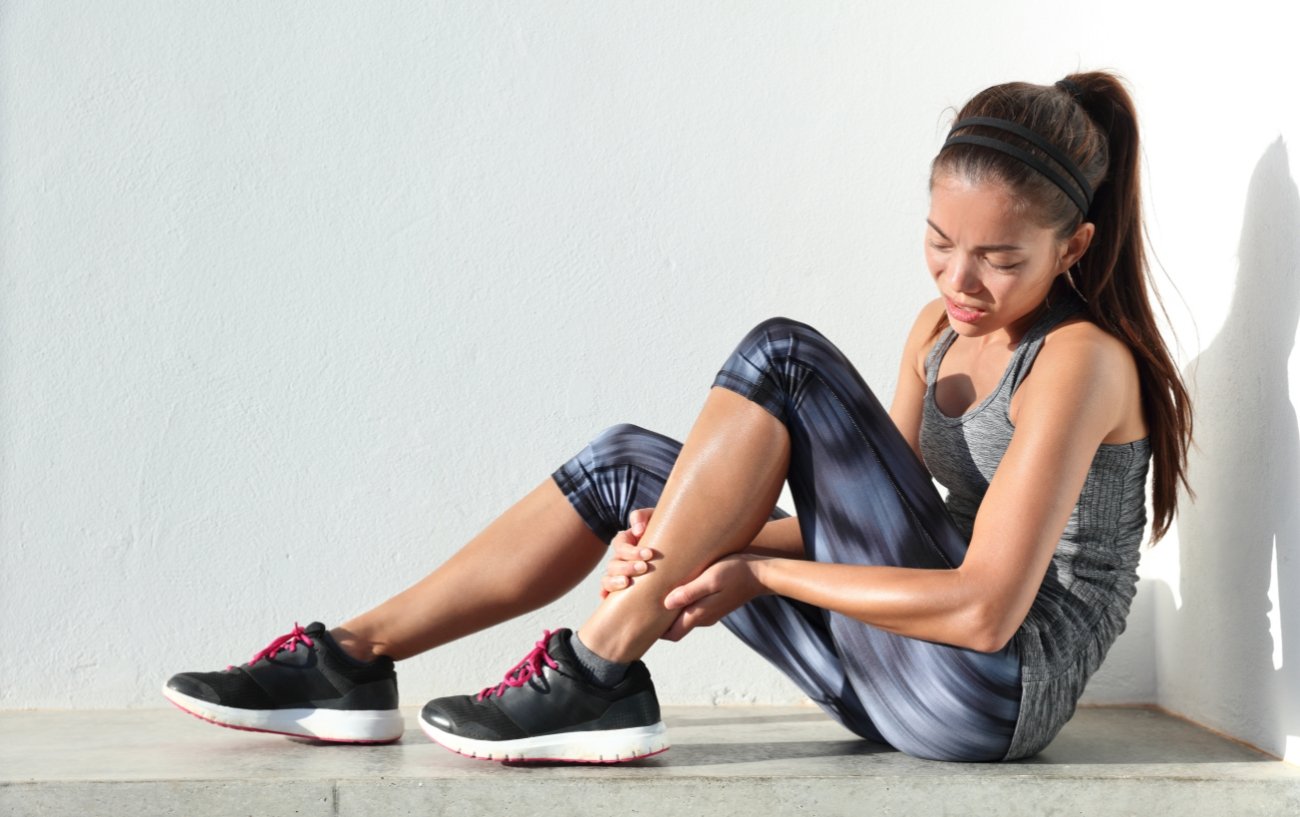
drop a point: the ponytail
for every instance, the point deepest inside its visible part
(1114, 277)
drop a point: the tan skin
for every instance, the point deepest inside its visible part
(707, 547)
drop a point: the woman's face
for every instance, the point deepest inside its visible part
(992, 265)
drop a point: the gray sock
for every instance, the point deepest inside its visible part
(602, 671)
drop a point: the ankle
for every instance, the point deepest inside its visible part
(356, 647)
(617, 634)
(597, 667)
(611, 646)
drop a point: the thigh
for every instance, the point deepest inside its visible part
(862, 497)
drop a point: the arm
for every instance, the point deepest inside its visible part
(905, 411)
(1081, 385)
(779, 538)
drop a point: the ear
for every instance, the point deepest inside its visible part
(1077, 244)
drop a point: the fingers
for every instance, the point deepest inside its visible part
(675, 632)
(687, 594)
(638, 519)
(626, 552)
(690, 618)
(678, 629)
(611, 584)
(619, 567)
(629, 561)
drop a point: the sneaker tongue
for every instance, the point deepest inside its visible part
(559, 644)
(314, 629)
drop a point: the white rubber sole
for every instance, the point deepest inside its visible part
(346, 726)
(606, 746)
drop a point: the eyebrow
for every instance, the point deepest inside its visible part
(985, 248)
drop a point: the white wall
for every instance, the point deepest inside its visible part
(1227, 612)
(297, 296)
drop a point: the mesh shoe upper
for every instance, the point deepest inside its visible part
(549, 694)
(306, 669)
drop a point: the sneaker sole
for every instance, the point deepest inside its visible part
(335, 725)
(605, 746)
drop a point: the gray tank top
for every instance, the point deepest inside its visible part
(1084, 599)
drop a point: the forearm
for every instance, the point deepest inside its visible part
(932, 605)
(779, 538)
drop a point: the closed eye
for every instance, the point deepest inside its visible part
(1003, 267)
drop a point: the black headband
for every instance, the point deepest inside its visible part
(1081, 196)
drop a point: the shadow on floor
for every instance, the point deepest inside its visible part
(681, 721)
(697, 755)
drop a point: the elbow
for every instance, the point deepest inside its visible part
(989, 629)
(989, 618)
(991, 642)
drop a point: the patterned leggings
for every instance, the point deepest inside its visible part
(862, 497)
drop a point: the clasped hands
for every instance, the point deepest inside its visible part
(724, 586)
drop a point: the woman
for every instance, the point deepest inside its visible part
(957, 631)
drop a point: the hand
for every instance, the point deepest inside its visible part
(724, 586)
(629, 558)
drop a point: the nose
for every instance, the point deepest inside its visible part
(962, 274)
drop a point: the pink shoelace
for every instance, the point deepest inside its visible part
(525, 669)
(286, 642)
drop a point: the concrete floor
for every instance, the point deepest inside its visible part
(724, 761)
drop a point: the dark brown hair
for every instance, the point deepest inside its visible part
(1098, 131)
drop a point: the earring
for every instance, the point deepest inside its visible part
(1070, 280)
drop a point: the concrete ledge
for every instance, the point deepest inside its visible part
(724, 761)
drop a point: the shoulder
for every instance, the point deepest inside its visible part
(929, 317)
(1080, 349)
(1081, 368)
(926, 328)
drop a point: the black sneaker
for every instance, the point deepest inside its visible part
(546, 709)
(301, 684)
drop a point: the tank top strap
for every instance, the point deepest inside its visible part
(940, 348)
(1027, 350)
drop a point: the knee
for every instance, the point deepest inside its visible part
(628, 444)
(774, 359)
(620, 435)
(780, 327)
(781, 337)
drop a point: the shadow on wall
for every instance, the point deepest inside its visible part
(1227, 667)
